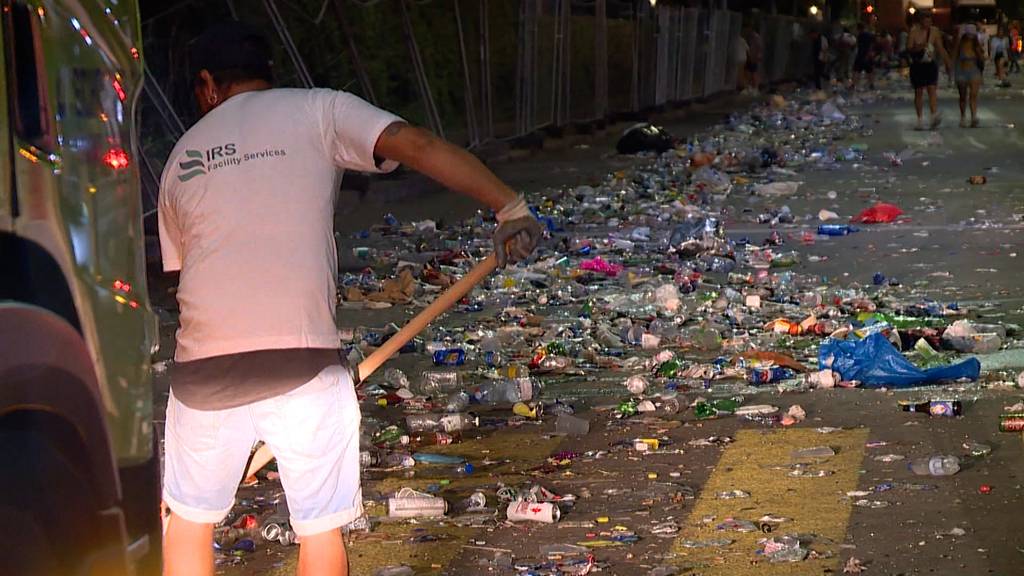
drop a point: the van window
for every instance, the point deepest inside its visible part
(27, 76)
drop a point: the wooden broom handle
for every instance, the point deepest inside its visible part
(443, 302)
(368, 366)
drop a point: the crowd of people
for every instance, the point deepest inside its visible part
(851, 58)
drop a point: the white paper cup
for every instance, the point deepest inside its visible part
(522, 511)
(408, 503)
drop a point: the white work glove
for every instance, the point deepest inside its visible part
(517, 234)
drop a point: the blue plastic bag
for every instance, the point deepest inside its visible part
(875, 362)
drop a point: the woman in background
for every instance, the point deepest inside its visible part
(969, 62)
(925, 48)
(1000, 51)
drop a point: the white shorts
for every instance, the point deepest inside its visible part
(312, 430)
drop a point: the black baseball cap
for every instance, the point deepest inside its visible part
(231, 46)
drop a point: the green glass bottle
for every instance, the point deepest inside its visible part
(669, 368)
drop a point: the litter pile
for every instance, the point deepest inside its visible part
(638, 308)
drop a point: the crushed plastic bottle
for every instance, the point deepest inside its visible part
(939, 465)
(439, 383)
(443, 422)
(510, 391)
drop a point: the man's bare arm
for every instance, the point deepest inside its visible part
(446, 163)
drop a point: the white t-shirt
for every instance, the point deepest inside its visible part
(246, 212)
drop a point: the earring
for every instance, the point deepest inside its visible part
(212, 98)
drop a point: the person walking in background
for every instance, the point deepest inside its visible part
(1015, 48)
(740, 49)
(820, 54)
(925, 48)
(886, 49)
(755, 55)
(969, 62)
(845, 43)
(999, 48)
(864, 61)
(901, 49)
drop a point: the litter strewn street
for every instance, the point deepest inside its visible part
(647, 395)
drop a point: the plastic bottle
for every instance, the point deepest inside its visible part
(443, 422)
(440, 459)
(507, 391)
(399, 460)
(417, 439)
(939, 465)
(457, 402)
(627, 408)
(438, 383)
(369, 459)
(669, 368)
(935, 407)
(836, 229)
(396, 378)
(390, 435)
(715, 408)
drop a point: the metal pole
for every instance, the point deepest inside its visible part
(561, 70)
(534, 55)
(474, 135)
(154, 178)
(566, 61)
(526, 67)
(289, 45)
(600, 59)
(520, 109)
(556, 77)
(357, 61)
(485, 70)
(634, 91)
(163, 105)
(433, 118)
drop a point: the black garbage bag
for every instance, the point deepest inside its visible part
(645, 137)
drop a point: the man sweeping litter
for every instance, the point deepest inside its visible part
(246, 214)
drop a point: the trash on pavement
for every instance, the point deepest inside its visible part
(408, 503)
(874, 363)
(879, 213)
(525, 510)
(644, 138)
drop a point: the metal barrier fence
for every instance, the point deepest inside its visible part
(474, 70)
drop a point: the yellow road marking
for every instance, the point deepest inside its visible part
(758, 463)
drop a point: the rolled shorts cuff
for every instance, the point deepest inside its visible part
(325, 523)
(192, 514)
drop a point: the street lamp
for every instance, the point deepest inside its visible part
(814, 10)
(912, 10)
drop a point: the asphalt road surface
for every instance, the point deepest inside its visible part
(957, 242)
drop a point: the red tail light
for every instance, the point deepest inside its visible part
(116, 158)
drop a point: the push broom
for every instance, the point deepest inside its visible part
(371, 363)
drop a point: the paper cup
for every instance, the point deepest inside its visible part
(408, 503)
(522, 511)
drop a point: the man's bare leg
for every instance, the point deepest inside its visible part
(323, 554)
(188, 548)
